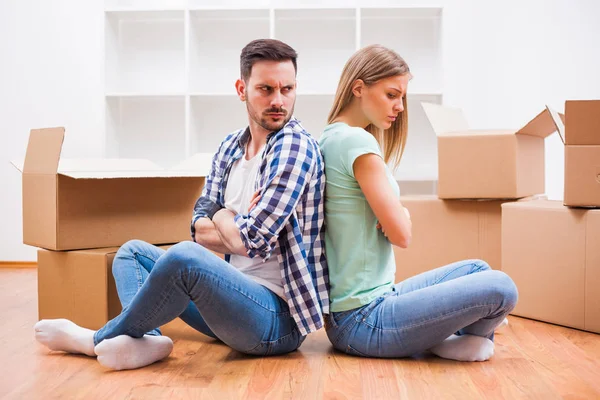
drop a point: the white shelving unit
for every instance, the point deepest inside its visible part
(171, 68)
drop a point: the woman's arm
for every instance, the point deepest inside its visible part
(369, 171)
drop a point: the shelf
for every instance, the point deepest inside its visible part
(383, 13)
(392, 26)
(144, 94)
(145, 51)
(312, 111)
(216, 44)
(420, 161)
(228, 4)
(171, 68)
(324, 40)
(144, 5)
(212, 118)
(146, 127)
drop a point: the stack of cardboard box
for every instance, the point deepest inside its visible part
(78, 212)
(551, 249)
(478, 172)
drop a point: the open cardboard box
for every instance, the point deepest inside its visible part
(580, 134)
(488, 164)
(94, 203)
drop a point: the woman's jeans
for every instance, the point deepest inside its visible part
(466, 297)
(188, 281)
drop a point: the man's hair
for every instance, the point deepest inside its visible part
(265, 50)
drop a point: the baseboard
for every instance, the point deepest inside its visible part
(18, 264)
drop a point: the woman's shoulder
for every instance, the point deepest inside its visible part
(344, 136)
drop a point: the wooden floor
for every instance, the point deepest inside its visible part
(533, 360)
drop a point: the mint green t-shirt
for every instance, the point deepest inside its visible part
(360, 258)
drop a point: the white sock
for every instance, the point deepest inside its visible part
(125, 352)
(465, 348)
(64, 335)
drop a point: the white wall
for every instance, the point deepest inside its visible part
(51, 74)
(502, 63)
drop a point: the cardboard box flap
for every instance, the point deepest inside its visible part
(559, 122)
(18, 164)
(444, 119)
(120, 168)
(43, 151)
(541, 126)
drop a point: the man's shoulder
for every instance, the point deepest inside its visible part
(293, 133)
(231, 138)
(229, 144)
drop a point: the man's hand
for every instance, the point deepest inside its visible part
(254, 201)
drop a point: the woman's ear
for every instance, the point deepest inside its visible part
(240, 88)
(357, 87)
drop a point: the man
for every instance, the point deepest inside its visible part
(262, 207)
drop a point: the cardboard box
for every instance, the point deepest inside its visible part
(78, 285)
(488, 164)
(445, 231)
(581, 135)
(94, 203)
(552, 253)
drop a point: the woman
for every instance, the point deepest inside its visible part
(451, 311)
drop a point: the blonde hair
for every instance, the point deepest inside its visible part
(371, 64)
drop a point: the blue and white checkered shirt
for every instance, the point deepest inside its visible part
(287, 221)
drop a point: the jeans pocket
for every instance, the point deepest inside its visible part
(262, 349)
(283, 345)
(352, 351)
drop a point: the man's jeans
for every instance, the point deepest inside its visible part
(188, 281)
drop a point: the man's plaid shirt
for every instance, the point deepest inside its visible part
(288, 220)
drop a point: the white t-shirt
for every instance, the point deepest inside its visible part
(239, 191)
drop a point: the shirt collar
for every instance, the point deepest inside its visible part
(245, 136)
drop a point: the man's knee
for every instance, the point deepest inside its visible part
(127, 252)
(183, 255)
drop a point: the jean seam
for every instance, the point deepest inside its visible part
(161, 306)
(138, 271)
(360, 353)
(172, 287)
(211, 275)
(452, 271)
(345, 330)
(426, 321)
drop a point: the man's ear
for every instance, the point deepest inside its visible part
(240, 88)
(357, 87)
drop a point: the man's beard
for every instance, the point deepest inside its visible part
(263, 119)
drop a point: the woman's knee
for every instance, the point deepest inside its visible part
(503, 286)
(481, 265)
